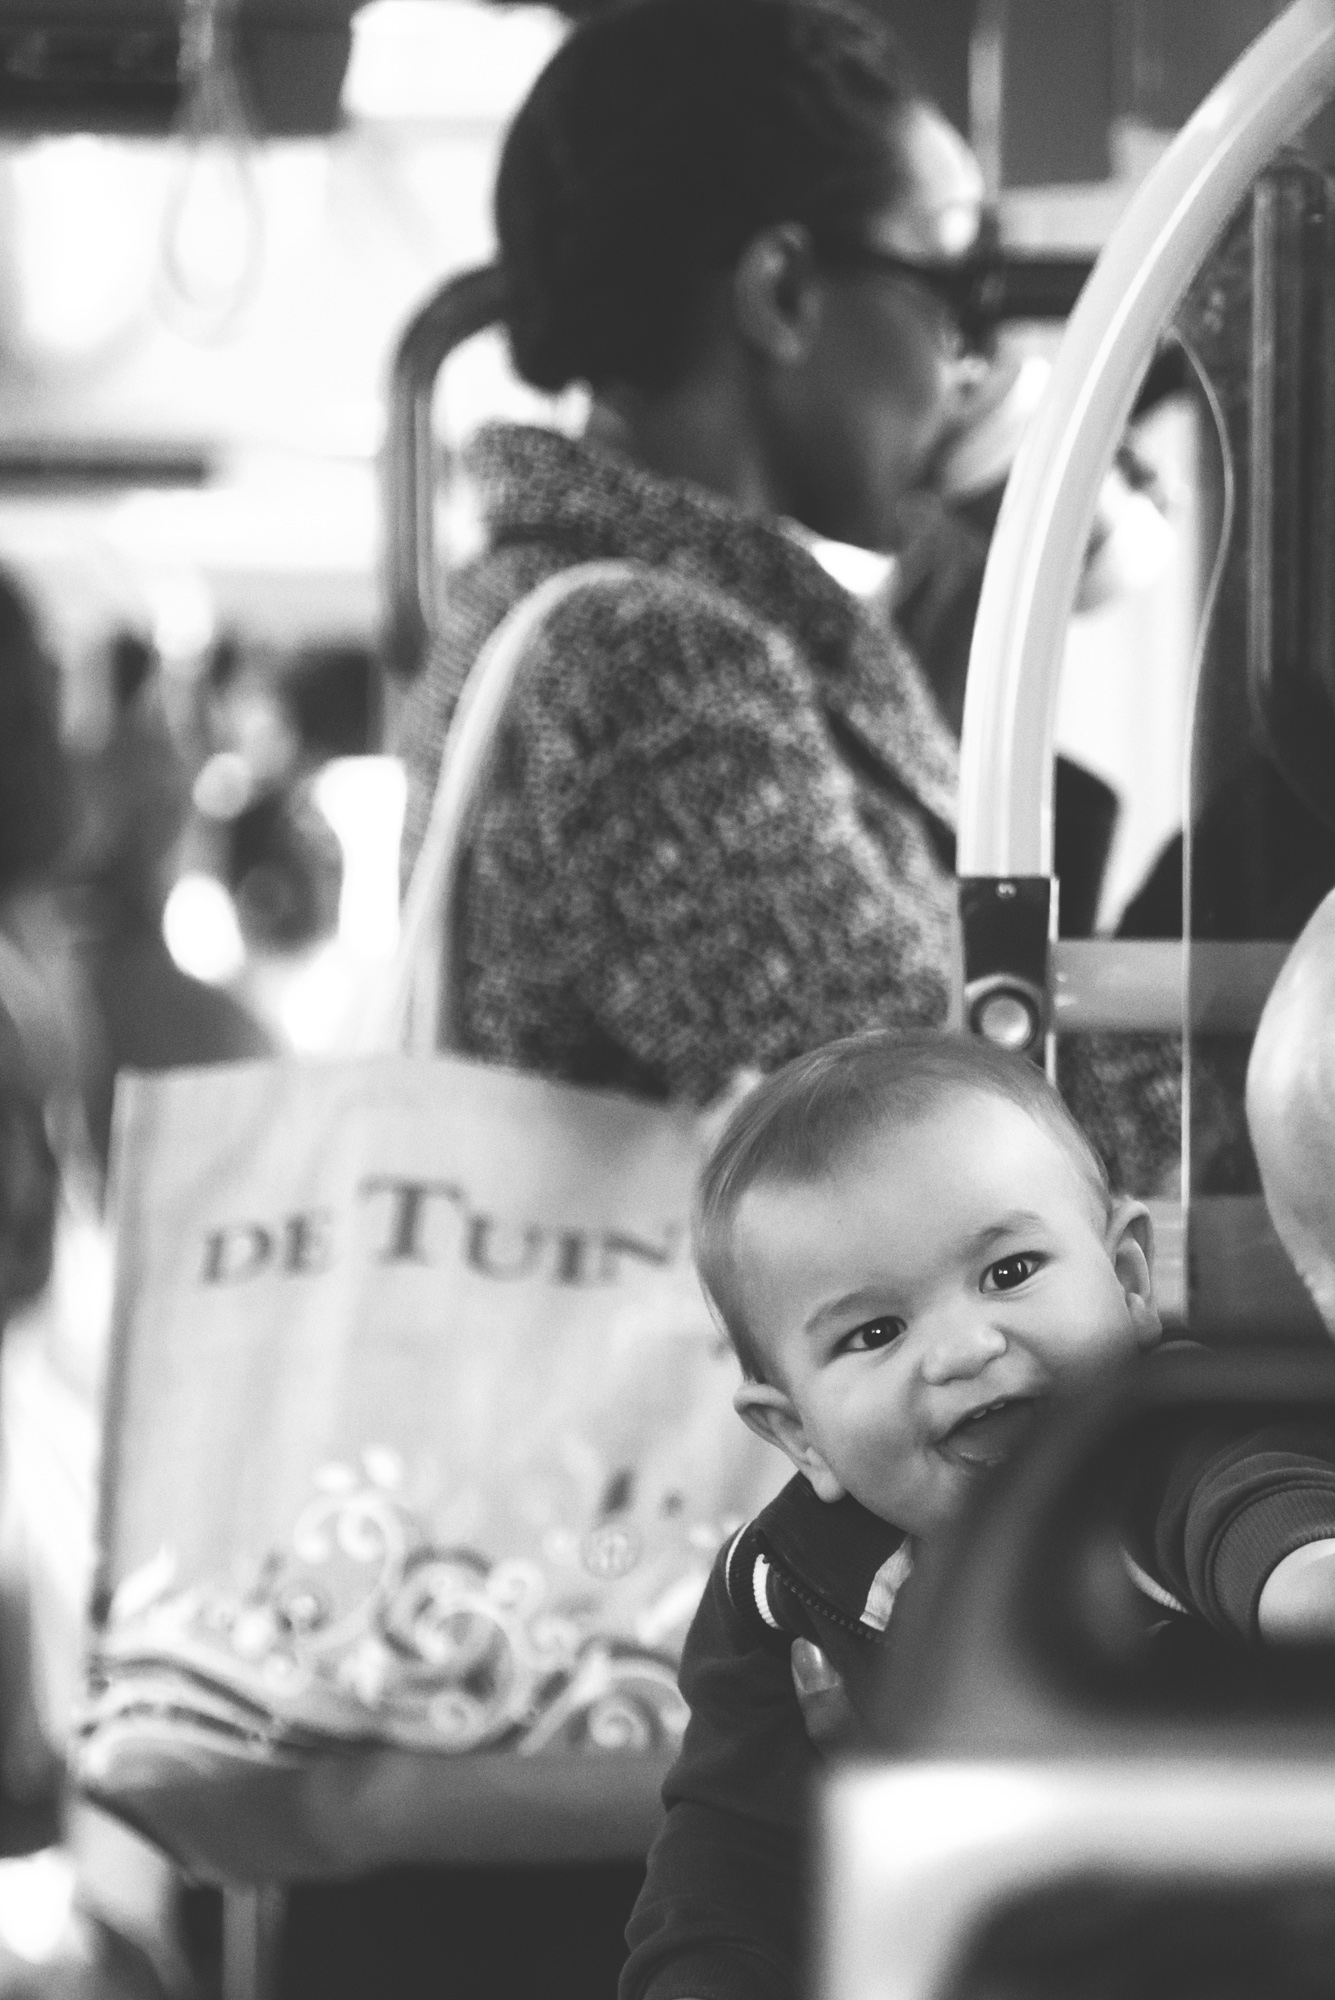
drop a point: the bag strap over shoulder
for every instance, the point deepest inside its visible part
(420, 1008)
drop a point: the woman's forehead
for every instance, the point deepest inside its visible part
(939, 201)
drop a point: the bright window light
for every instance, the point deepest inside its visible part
(362, 798)
(316, 1001)
(181, 607)
(200, 928)
(37, 1904)
(86, 220)
(450, 61)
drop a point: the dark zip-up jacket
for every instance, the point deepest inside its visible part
(789, 1637)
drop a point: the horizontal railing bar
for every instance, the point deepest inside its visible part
(1138, 985)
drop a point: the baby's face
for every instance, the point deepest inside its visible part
(915, 1304)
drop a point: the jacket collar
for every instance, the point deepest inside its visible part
(539, 485)
(832, 1550)
(888, 707)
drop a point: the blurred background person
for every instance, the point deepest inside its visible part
(132, 797)
(38, 1085)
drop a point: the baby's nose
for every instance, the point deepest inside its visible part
(961, 1350)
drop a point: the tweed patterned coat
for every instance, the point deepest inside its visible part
(720, 830)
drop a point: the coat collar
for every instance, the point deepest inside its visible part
(836, 1550)
(890, 710)
(539, 485)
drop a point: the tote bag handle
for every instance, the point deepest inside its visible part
(419, 1005)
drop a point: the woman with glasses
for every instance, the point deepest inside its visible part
(722, 828)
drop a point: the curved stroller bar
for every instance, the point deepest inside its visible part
(1005, 827)
(464, 306)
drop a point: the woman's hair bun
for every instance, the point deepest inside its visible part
(660, 137)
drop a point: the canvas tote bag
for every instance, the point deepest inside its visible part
(418, 1442)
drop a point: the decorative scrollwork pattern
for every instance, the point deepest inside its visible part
(368, 1626)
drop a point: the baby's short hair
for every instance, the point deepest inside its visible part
(799, 1122)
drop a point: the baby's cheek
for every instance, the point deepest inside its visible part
(877, 1438)
(898, 1464)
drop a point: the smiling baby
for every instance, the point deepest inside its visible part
(911, 1245)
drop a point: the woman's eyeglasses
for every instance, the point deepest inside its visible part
(979, 291)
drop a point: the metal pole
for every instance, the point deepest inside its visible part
(252, 1941)
(1005, 824)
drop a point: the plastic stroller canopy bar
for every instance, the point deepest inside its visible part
(1034, 564)
(916, 1856)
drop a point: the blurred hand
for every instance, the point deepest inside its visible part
(1297, 1604)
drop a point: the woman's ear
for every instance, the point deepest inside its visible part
(1130, 1245)
(772, 1415)
(776, 298)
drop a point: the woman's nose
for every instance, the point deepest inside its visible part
(961, 1349)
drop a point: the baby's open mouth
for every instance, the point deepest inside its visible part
(988, 1435)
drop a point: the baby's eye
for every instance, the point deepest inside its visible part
(873, 1333)
(1008, 1272)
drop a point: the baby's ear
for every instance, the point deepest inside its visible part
(772, 1414)
(1130, 1244)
